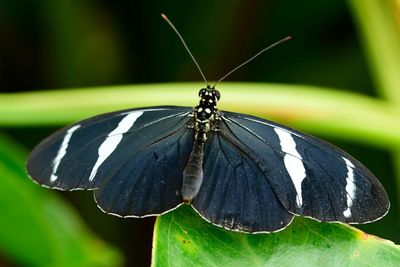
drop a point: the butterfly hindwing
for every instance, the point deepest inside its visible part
(235, 194)
(309, 176)
(149, 182)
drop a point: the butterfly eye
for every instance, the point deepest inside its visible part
(201, 92)
(217, 94)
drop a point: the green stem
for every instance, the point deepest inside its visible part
(380, 32)
(381, 39)
(328, 112)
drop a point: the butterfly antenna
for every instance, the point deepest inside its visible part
(186, 47)
(253, 57)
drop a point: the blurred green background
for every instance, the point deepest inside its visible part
(352, 46)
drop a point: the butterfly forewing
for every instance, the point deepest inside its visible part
(309, 176)
(139, 149)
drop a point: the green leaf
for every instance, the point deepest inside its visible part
(182, 238)
(39, 229)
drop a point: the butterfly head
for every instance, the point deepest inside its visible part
(209, 97)
(206, 112)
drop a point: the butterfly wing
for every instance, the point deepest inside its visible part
(309, 176)
(134, 159)
(235, 194)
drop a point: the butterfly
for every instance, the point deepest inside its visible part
(239, 172)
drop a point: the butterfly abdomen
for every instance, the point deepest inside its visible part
(193, 173)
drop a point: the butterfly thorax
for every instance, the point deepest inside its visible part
(205, 116)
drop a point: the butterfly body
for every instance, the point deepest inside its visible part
(205, 118)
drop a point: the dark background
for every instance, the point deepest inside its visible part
(65, 44)
(49, 45)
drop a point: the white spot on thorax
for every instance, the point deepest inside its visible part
(350, 187)
(113, 139)
(62, 151)
(292, 161)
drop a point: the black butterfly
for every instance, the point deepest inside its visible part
(237, 171)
